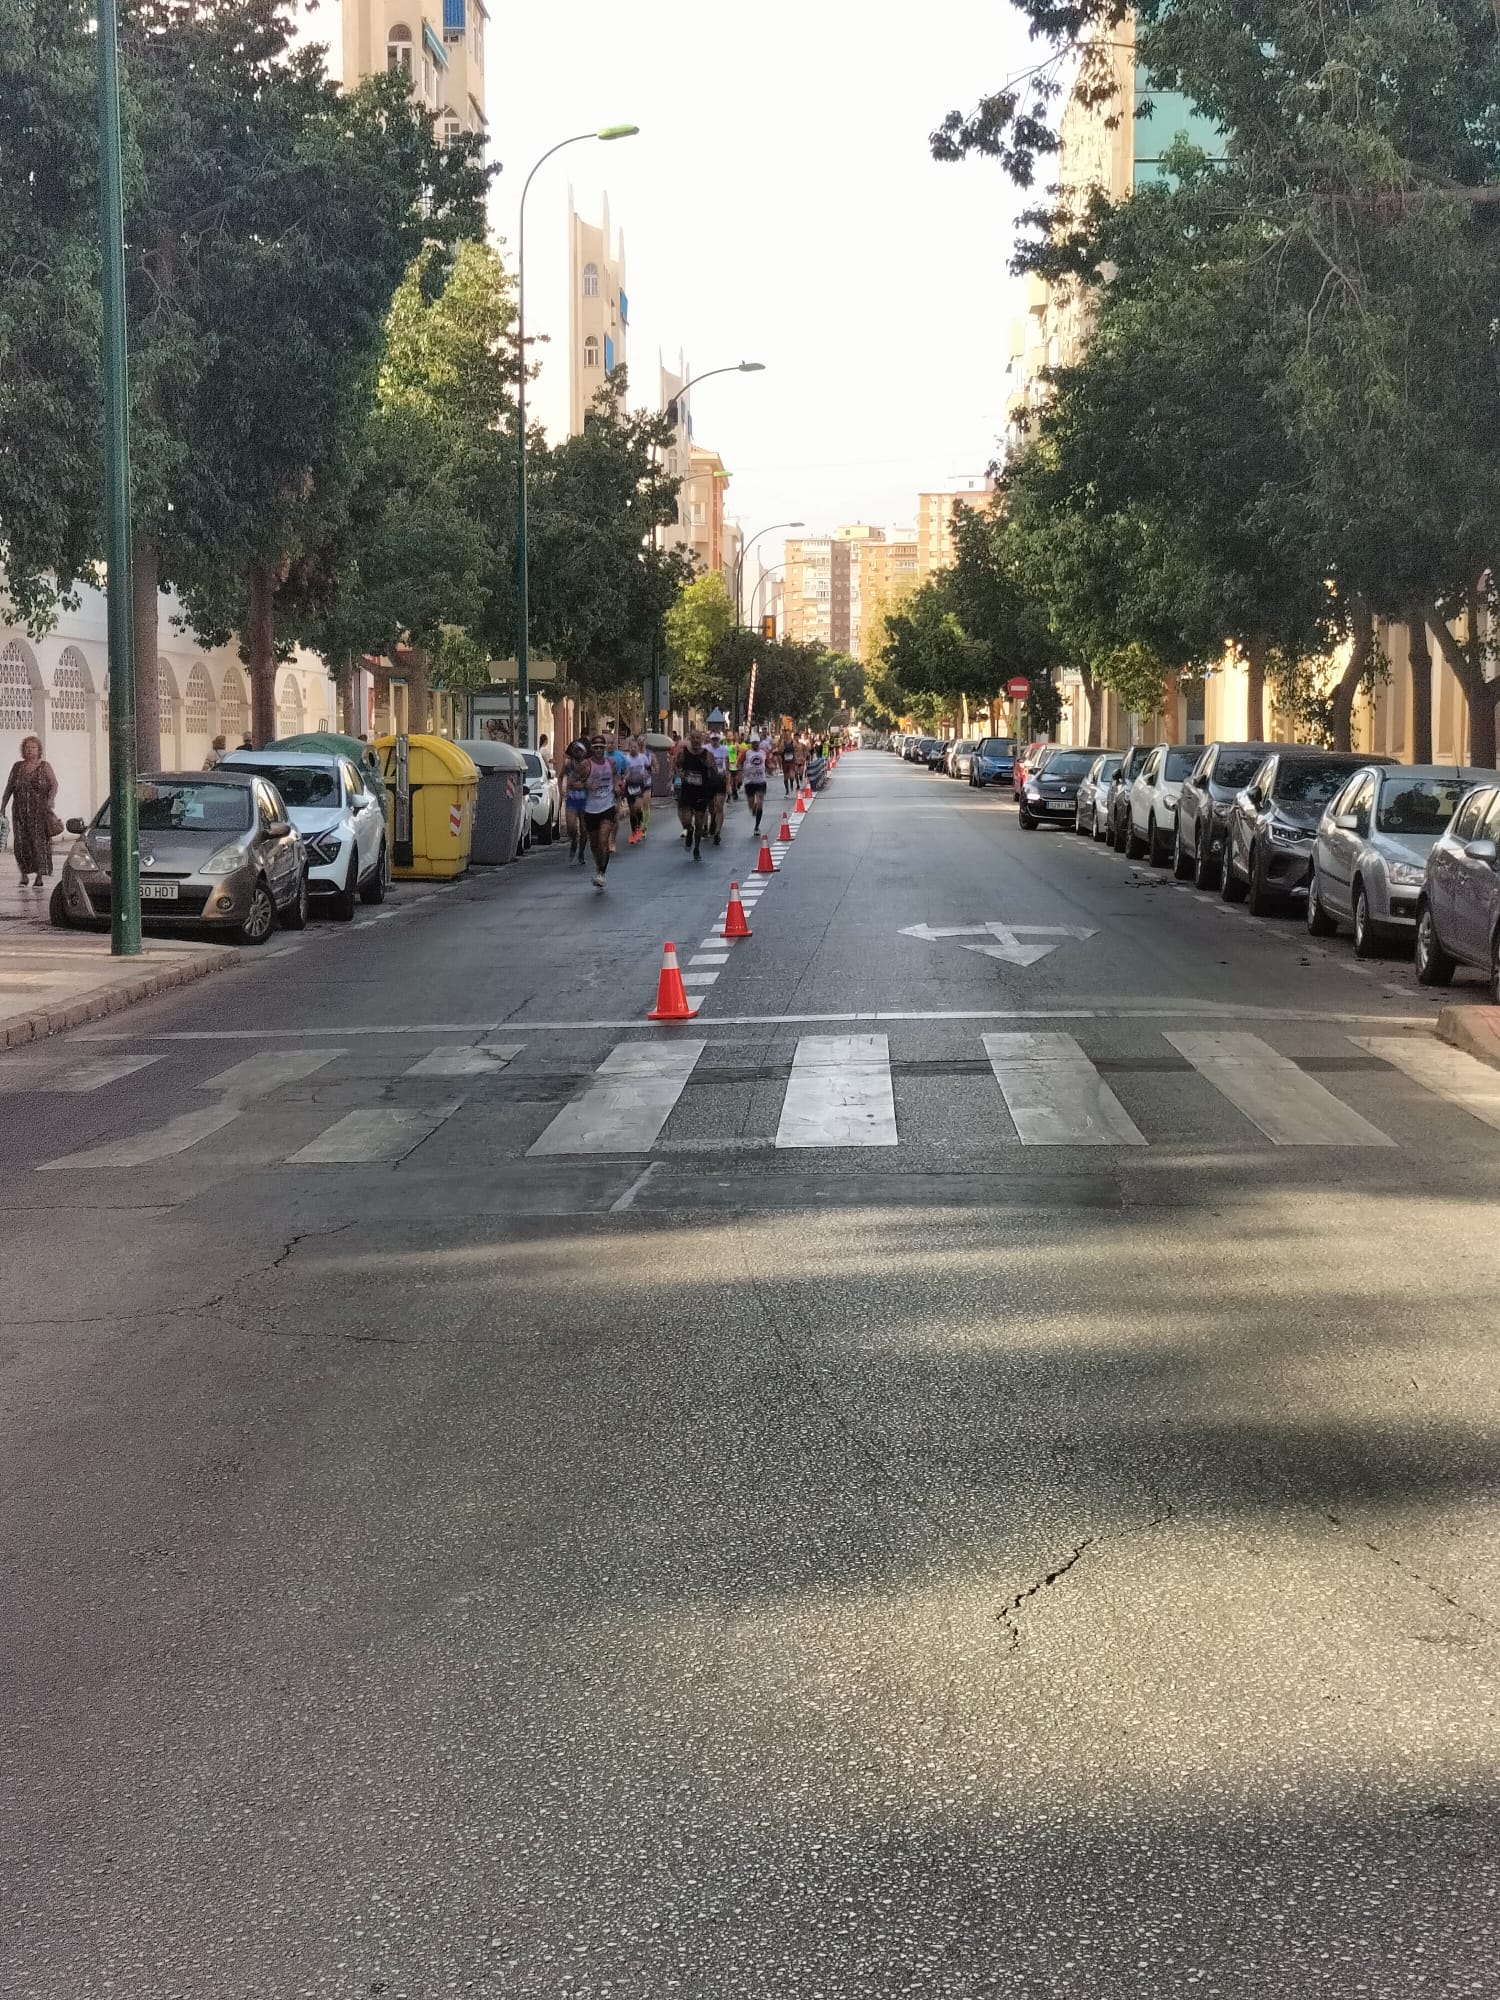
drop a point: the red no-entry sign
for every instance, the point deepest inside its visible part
(1019, 688)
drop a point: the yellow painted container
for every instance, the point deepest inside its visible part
(444, 783)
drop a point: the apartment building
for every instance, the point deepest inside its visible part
(440, 44)
(890, 570)
(935, 517)
(598, 309)
(816, 591)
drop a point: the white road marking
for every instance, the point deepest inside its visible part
(103, 1069)
(699, 978)
(627, 1200)
(839, 1093)
(474, 1059)
(142, 1148)
(1054, 1094)
(627, 1102)
(375, 1136)
(258, 1076)
(1462, 1079)
(1289, 1106)
(709, 958)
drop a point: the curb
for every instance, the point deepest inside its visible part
(1475, 1030)
(110, 999)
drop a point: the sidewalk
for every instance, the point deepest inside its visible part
(51, 979)
(1474, 1029)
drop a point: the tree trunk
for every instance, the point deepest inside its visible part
(1255, 691)
(1094, 690)
(1465, 660)
(344, 682)
(418, 699)
(145, 566)
(260, 643)
(1361, 652)
(1419, 655)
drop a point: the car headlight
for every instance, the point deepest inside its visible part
(1406, 874)
(81, 859)
(1289, 836)
(323, 849)
(1033, 791)
(225, 860)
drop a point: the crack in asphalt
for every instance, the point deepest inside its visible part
(1406, 1569)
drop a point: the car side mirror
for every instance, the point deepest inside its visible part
(74, 825)
(1347, 822)
(1482, 850)
(278, 829)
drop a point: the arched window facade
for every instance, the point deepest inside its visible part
(17, 694)
(591, 281)
(289, 708)
(232, 706)
(591, 352)
(70, 687)
(197, 702)
(398, 49)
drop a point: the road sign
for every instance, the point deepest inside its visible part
(1010, 943)
(1019, 688)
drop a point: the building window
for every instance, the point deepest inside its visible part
(166, 694)
(591, 281)
(451, 129)
(289, 709)
(199, 699)
(398, 49)
(17, 707)
(591, 352)
(232, 705)
(70, 692)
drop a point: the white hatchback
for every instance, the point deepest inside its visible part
(340, 819)
(1151, 825)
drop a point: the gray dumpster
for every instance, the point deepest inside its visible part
(501, 804)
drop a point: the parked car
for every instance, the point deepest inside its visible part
(1370, 855)
(217, 849)
(1151, 818)
(1203, 805)
(1117, 797)
(994, 761)
(1089, 813)
(341, 820)
(960, 757)
(932, 753)
(1458, 909)
(1026, 760)
(543, 798)
(1268, 845)
(1050, 794)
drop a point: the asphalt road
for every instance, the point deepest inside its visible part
(953, 1486)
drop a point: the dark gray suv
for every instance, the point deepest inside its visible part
(1271, 827)
(1203, 805)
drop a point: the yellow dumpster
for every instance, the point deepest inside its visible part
(443, 784)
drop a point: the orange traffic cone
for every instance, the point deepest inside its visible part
(786, 830)
(734, 917)
(801, 803)
(765, 865)
(671, 994)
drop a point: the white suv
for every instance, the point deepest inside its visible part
(341, 821)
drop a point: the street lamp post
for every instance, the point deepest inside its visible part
(523, 659)
(760, 584)
(739, 568)
(124, 842)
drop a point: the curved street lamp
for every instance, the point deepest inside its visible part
(734, 368)
(523, 604)
(739, 568)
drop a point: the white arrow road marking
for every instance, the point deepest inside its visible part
(1002, 941)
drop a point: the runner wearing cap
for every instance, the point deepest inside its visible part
(602, 787)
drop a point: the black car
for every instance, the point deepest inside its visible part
(1273, 823)
(934, 750)
(1050, 794)
(1203, 805)
(1117, 798)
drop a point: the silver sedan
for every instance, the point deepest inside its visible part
(1370, 855)
(1093, 794)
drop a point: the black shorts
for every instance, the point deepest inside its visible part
(754, 785)
(693, 802)
(595, 820)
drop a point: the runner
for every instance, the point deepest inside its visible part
(575, 781)
(602, 788)
(699, 774)
(788, 760)
(718, 749)
(803, 749)
(753, 764)
(618, 756)
(735, 751)
(638, 769)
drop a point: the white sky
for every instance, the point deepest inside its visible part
(780, 205)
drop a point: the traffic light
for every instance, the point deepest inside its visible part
(768, 625)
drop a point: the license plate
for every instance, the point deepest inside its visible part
(158, 892)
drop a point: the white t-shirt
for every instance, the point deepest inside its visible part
(720, 754)
(753, 765)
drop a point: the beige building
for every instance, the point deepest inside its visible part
(935, 516)
(438, 43)
(816, 591)
(890, 570)
(598, 309)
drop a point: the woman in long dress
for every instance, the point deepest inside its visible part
(29, 791)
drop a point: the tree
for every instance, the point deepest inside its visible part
(696, 627)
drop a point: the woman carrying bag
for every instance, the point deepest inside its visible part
(29, 791)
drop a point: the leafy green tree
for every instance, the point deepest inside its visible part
(696, 627)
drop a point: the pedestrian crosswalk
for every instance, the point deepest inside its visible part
(328, 1107)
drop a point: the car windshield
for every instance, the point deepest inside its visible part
(1070, 763)
(1305, 783)
(1235, 772)
(303, 784)
(533, 764)
(1419, 805)
(1180, 764)
(189, 808)
(998, 746)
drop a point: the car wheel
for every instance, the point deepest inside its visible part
(1094, 825)
(260, 919)
(1078, 826)
(294, 916)
(1231, 888)
(1367, 939)
(1433, 965)
(1028, 824)
(57, 910)
(1109, 831)
(343, 902)
(1156, 847)
(1258, 897)
(1205, 868)
(1319, 923)
(1135, 847)
(1182, 861)
(373, 891)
